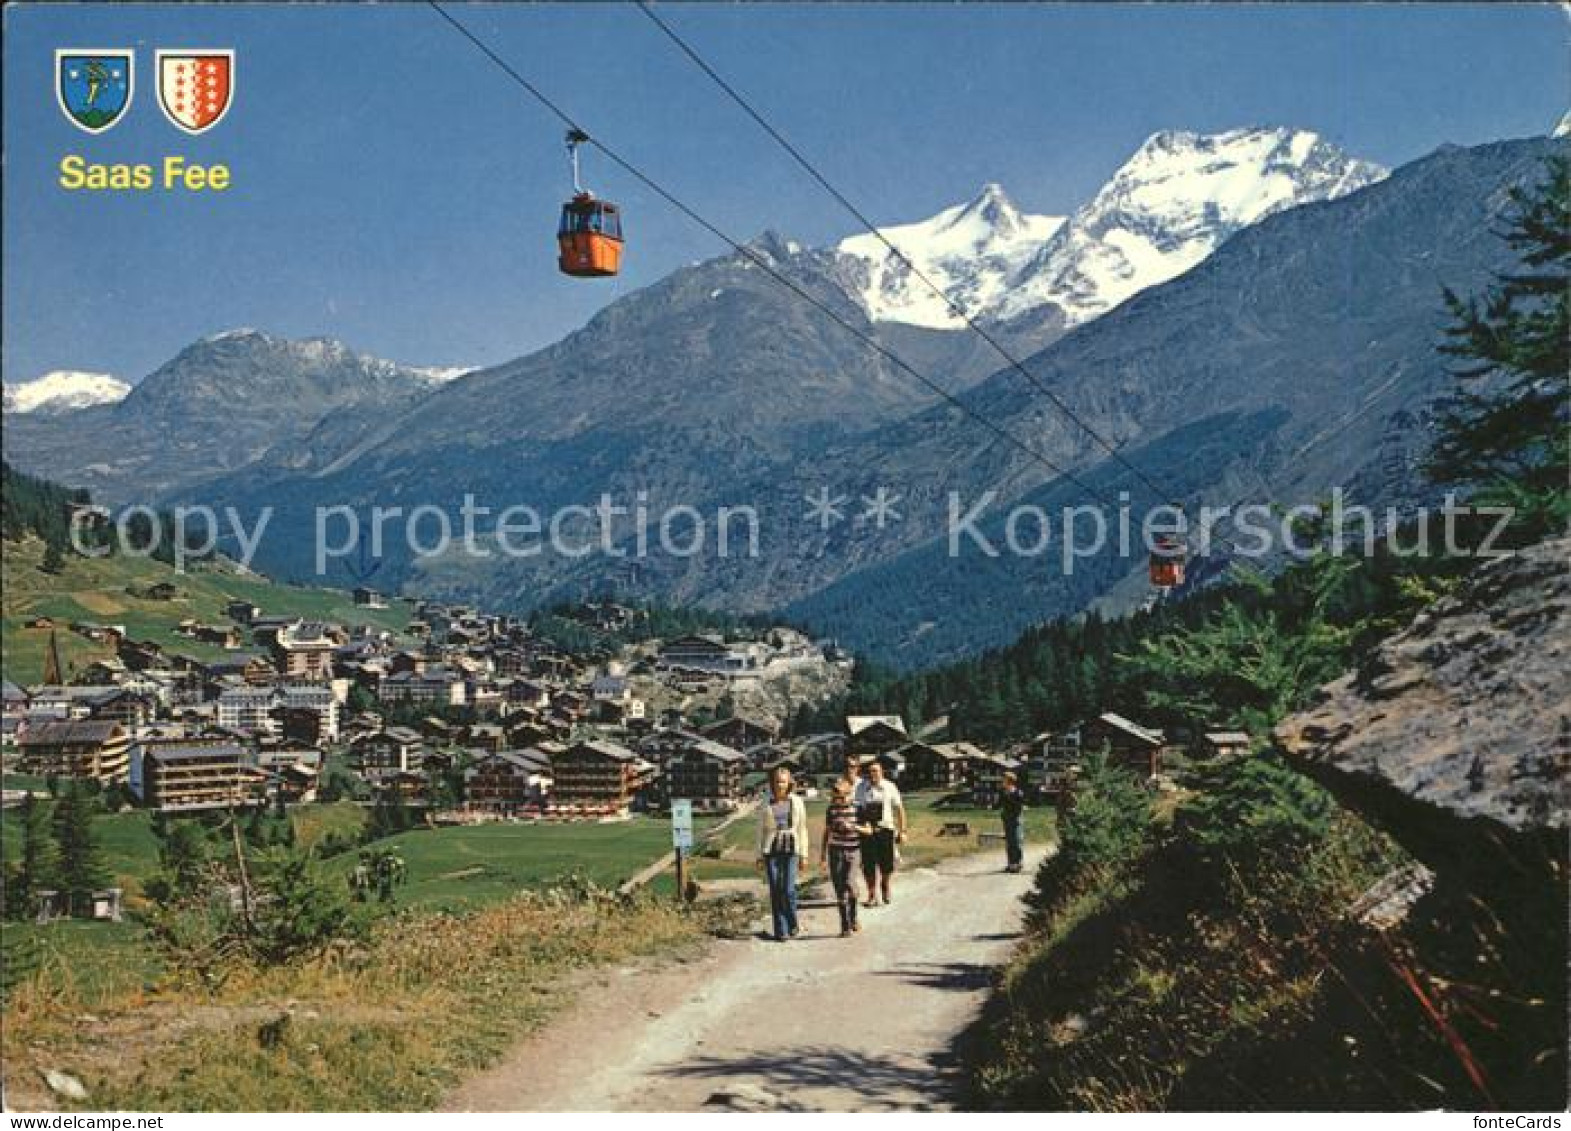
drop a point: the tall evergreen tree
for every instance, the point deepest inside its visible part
(1505, 429)
(81, 867)
(37, 868)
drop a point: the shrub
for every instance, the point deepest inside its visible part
(1255, 811)
(1108, 824)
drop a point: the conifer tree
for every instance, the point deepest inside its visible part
(1505, 429)
(81, 867)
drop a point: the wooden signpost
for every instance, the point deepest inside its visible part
(682, 841)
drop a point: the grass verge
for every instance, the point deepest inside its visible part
(389, 1025)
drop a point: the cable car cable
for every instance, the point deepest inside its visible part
(955, 307)
(760, 261)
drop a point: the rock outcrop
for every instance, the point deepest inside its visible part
(1457, 731)
(1455, 739)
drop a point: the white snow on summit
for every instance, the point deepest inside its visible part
(1170, 205)
(63, 390)
(440, 374)
(970, 251)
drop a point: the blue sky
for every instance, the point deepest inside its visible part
(393, 189)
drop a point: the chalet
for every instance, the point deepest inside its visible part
(556, 667)
(822, 752)
(937, 766)
(661, 745)
(762, 757)
(66, 701)
(789, 759)
(139, 655)
(251, 669)
(509, 782)
(304, 651)
(410, 660)
(740, 733)
(987, 778)
(409, 786)
(530, 734)
(707, 774)
(874, 734)
(610, 689)
(1051, 762)
(596, 779)
(570, 705)
(128, 708)
(620, 712)
(510, 663)
(297, 784)
(1127, 744)
(111, 634)
(248, 709)
(303, 725)
(272, 757)
(1224, 744)
(383, 753)
(242, 612)
(368, 598)
(193, 775)
(13, 700)
(437, 730)
(75, 748)
(484, 697)
(226, 636)
(266, 629)
(163, 688)
(485, 736)
(437, 685)
(262, 710)
(705, 654)
(893, 761)
(107, 671)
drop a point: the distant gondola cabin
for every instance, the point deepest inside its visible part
(1167, 563)
(589, 237)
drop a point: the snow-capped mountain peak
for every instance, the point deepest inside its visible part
(63, 390)
(970, 251)
(441, 374)
(1172, 203)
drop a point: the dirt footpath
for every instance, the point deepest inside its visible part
(816, 1024)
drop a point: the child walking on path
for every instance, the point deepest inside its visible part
(840, 851)
(782, 849)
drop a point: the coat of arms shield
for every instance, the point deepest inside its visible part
(94, 87)
(196, 88)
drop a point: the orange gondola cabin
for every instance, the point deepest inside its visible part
(589, 238)
(1167, 562)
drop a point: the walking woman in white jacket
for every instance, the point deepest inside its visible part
(782, 849)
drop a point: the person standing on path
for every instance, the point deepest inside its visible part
(840, 852)
(782, 850)
(851, 770)
(1011, 805)
(880, 809)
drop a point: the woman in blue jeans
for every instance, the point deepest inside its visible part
(782, 849)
